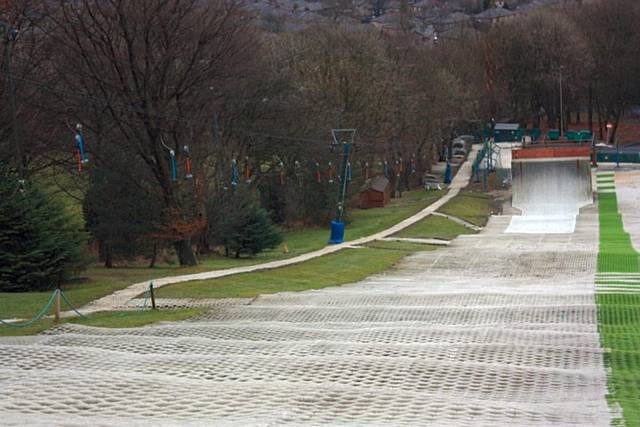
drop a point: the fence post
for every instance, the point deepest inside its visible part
(56, 307)
(153, 296)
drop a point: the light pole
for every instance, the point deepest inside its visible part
(10, 35)
(609, 127)
(561, 106)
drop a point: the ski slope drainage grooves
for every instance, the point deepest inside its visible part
(494, 329)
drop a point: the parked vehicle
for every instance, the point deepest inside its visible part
(459, 147)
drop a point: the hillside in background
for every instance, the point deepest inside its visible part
(430, 19)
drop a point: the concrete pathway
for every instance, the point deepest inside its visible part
(437, 242)
(120, 298)
(460, 221)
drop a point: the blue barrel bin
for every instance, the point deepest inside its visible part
(337, 232)
(448, 174)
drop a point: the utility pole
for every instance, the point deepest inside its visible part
(10, 35)
(346, 141)
(342, 191)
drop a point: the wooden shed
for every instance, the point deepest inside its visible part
(375, 193)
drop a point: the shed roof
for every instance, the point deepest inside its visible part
(378, 183)
(495, 13)
(507, 126)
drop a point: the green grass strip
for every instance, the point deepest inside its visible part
(346, 266)
(619, 313)
(469, 206)
(101, 281)
(111, 319)
(434, 227)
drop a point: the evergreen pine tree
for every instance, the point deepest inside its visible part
(41, 244)
(241, 225)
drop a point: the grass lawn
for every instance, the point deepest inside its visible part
(401, 246)
(111, 319)
(472, 207)
(346, 266)
(361, 222)
(369, 221)
(619, 314)
(101, 281)
(435, 227)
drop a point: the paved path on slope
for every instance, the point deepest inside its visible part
(120, 298)
(494, 330)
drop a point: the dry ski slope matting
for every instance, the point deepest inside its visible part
(549, 192)
(496, 329)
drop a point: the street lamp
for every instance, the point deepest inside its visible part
(10, 35)
(609, 127)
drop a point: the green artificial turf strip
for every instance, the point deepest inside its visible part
(434, 227)
(472, 207)
(619, 314)
(619, 327)
(616, 251)
(346, 266)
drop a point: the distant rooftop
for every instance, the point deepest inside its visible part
(507, 126)
(495, 13)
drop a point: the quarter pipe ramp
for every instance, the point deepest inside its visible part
(550, 185)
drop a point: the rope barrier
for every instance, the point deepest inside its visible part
(47, 306)
(144, 302)
(64, 297)
(37, 317)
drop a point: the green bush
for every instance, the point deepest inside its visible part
(241, 225)
(41, 243)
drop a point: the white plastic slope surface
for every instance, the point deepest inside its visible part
(493, 330)
(549, 193)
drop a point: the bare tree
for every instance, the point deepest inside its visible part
(24, 126)
(154, 69)
(529, 56)
(613, 36)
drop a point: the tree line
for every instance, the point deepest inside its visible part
(179, 98)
